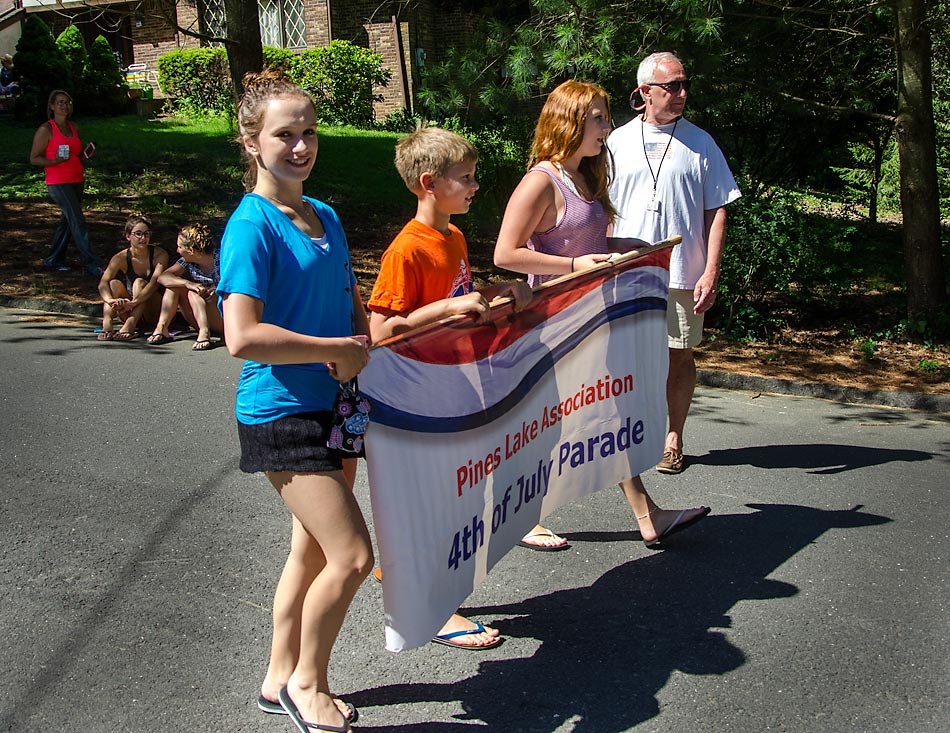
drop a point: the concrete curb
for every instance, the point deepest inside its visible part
(52, 305)
(833, 392)
(705, 377)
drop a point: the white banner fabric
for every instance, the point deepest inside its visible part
(478, 432)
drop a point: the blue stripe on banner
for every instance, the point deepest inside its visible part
(393, 417)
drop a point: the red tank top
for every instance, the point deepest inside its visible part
(71, 171)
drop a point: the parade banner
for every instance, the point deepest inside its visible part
(479, 431)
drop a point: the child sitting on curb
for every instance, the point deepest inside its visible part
(191, 285)
(129, 285)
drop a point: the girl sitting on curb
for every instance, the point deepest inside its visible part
(129, 285)
(191, 284)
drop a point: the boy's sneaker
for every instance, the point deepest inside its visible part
(56, 268)
(672, 461)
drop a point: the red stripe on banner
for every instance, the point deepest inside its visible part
(455, 340)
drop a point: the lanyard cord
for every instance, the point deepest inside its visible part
(656, 176)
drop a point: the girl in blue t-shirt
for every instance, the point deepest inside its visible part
(291, 308)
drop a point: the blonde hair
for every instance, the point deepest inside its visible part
(560, 131)
(431, 150)
(197, 237)
(259, 89)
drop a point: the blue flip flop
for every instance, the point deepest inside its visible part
(446, 639)
(274, 708)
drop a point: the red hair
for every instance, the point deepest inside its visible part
(560, 131)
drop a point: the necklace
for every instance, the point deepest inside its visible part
(305, 219)
(278, 203)
(654, 204)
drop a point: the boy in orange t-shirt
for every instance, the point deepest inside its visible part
(425, 276)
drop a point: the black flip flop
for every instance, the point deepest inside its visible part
(675, 526)
(274, 708)
(269, 706)
(305, 726)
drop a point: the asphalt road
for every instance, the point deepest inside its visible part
(138, 565)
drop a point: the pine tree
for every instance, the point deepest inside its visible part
(103, 88)
(74, 51)
(42, 67)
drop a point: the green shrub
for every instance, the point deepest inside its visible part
(502, 157)
(103, 90)
(340, 77)
(279, 58)
(74, 51)
(197, 81)
(401, 121)
(868, 348)
(42, 68)
(776, 249)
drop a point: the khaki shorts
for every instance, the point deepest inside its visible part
(685, 327)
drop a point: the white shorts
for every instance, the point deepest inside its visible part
(685, 327)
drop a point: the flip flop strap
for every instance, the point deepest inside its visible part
(673, 524)
(465, 632)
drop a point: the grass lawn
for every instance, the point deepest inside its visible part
(181, 170)
(184, 169)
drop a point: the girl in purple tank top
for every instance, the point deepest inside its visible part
(556, 223)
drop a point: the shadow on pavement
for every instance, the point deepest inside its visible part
(824, 458)
(54, 665)
(607, 649)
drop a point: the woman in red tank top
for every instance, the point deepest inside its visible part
(58, 149)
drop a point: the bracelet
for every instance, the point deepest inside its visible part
(572, 264)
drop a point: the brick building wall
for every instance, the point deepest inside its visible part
(432, 26)
(387, 40)
(111, 22)
(152, 36)
(426, 29)
(317, 15)
(138, 33)
(421, 34)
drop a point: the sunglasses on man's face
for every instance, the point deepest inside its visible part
(671, 87)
